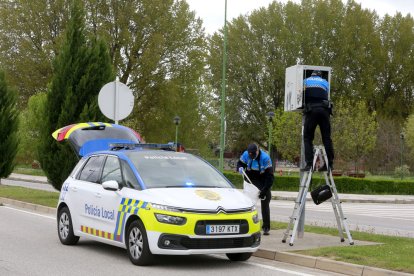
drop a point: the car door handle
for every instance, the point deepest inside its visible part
(98, 195)
(75, 189)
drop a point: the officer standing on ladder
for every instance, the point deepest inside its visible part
(258, 167)
(317, 111)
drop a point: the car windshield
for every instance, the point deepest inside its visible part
(164, 169)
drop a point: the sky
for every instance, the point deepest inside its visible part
(212, 11)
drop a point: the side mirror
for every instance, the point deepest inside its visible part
(111, 185)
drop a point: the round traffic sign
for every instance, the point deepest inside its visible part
(116, 100)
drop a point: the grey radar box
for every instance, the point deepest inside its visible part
(294, 90)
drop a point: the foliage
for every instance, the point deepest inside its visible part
(287, 133)
(31, 121)
(354, 131)
(402, 171)
(371, 58)
(31, 36)
(343, 184)
(408, 135)
(387, 151)
(8, 127)
(157, 48)
(80, 70)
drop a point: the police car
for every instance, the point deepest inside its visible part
(149, 199)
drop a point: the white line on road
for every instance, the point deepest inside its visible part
(31, 213)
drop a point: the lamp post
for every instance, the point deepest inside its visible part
(223, 91)
(177, 121)
(402, 137)
(270, 116)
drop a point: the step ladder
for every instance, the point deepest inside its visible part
(301, 199)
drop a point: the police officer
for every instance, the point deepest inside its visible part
(258, 167)
(317, 112)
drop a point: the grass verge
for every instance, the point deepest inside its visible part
(39, 197)
(26, 169)
(394, 253)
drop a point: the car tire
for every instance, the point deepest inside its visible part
(239, 257)
(65, 227)
(137, 244)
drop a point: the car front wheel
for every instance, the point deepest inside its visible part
(239, 257)
(137, 244)
(65, 227)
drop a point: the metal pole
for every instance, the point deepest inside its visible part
(270, 136)
(116, 102)
(301, 225)
(401, 162)
(176, 134)
(223, 90)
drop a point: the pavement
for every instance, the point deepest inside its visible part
(271, 247)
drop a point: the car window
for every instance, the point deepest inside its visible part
(130, 179)
(112, 170)
(163, 169)
(91, 171)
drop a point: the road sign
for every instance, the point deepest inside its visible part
(116, 101)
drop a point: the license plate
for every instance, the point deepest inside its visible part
(222, 229)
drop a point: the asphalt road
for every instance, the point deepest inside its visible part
(379, 218)
(30, 246)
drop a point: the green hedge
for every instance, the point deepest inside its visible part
(347, 185)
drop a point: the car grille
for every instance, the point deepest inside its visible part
(217, 243)
(178, 242)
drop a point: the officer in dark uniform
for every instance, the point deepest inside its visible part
(317, 112)
(258, 167)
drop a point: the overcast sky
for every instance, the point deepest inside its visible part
(212, 11)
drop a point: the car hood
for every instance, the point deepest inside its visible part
(201, 199)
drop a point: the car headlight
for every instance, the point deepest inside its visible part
(255, 218)
(170, 219)
(164, 208)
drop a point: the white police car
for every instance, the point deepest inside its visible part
(125, 193)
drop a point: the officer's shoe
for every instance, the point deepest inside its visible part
(266, 231)
(307, 168)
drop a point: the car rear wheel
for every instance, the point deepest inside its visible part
(65, 227)
(239, 257)
(137, 244)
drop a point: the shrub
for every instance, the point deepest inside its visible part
(343, 184)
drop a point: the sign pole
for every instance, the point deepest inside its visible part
(116, 101)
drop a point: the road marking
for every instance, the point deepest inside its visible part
(31, 213)
(270, 267)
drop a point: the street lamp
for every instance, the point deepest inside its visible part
(270, 116)
(177, 121)
(223, 91)
(402, 137)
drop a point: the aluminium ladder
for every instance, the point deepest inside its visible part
(301, 198)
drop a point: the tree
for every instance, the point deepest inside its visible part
(31, 34)
(8, 127)
(31, 122)
(354, 131)
(158, 48)
(287, 136)
(80, 70)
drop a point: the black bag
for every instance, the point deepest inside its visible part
(321, 194)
